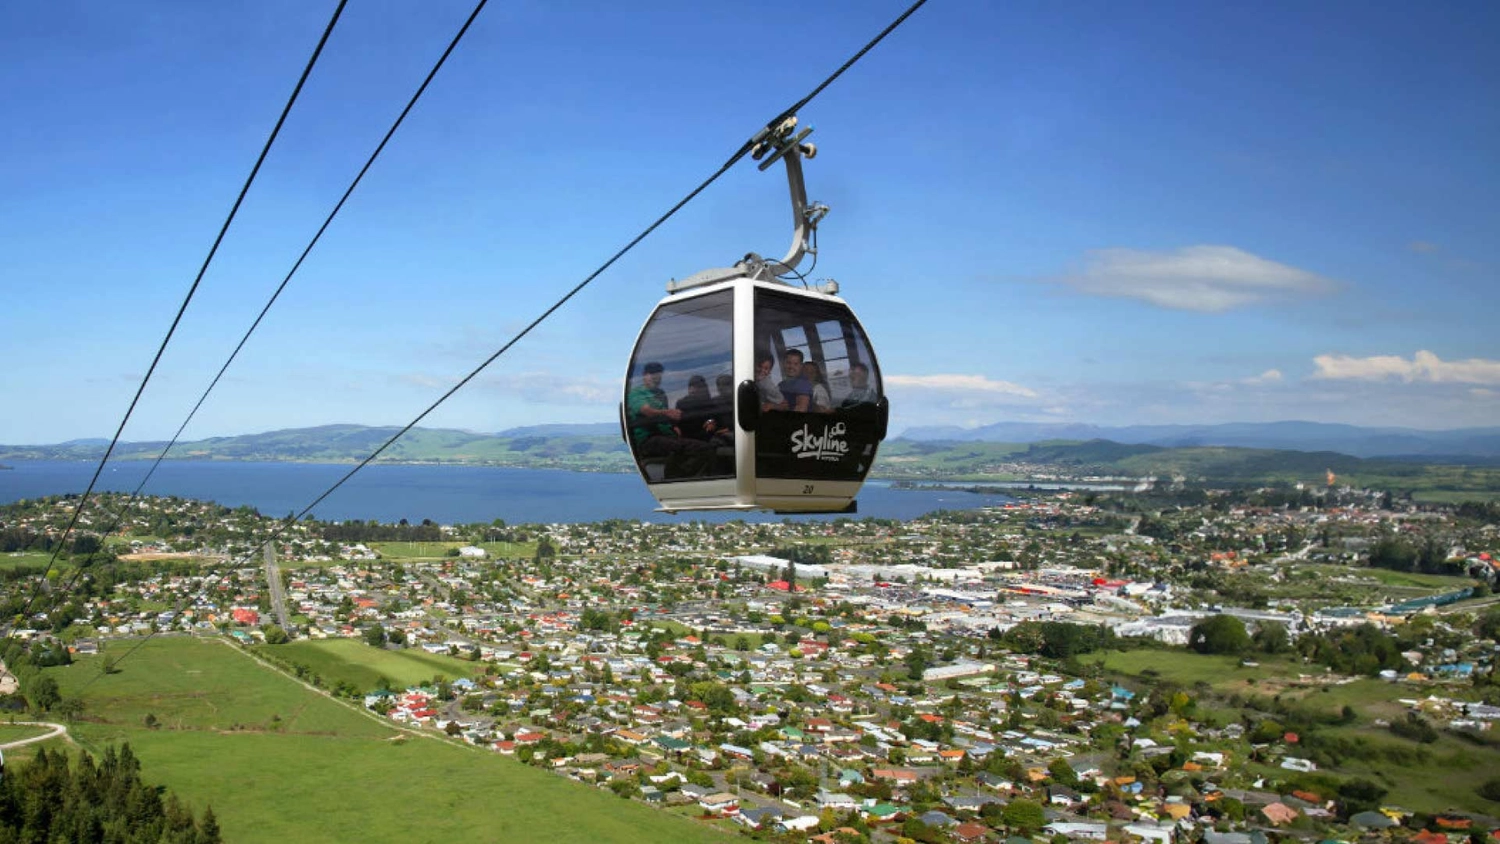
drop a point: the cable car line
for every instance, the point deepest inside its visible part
(284, 282)
(747, 148)
(213, 250)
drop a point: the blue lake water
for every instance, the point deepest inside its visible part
(445, 494)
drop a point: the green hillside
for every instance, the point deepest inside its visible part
(280, 762)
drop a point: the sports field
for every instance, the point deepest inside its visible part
(279, 762)
(362, 666)
(396, 551)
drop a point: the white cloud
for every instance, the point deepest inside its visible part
(1424, 367)
(1270, 376)
(960, 383)
(1208, 279)
(554, 389)
(1422, 246)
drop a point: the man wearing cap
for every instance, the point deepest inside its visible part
(653, 424)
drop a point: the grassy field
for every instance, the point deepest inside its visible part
(1387, 577)
(1444, 781)
(1224, 673)
(396, 551)
(1448, 496)
(281, 763)
(363, 666)
(679, 629)
(32, 559)
(19, 732)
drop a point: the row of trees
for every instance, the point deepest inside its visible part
(1363, 649)
(1056, 639)
(47, 799)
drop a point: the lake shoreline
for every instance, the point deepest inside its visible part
(446, 493)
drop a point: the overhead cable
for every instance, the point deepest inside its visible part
(295, 266)
(733, 159)
(223, 229)
(410, 104)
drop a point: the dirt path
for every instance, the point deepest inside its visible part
(57, 730)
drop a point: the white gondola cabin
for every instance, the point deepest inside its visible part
(745, 392)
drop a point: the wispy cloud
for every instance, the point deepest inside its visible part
(1208, 279)
(960, 383)
(1422, 246)
(1424, 367)
(1270, 376)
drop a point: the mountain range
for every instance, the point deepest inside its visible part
(345, 442)
(1357, 441)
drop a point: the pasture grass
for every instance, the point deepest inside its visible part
(327, 772)
(1388, 577)
(1443, 783)
(362, 666)
(1224, 674)
(20, 732)
(28, 559)
(1453, 496)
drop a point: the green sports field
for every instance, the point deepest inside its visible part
(362, 665)
(280, 763)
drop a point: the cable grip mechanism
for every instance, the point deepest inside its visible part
(783, 142)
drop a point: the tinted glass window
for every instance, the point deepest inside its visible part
(679, 392)
(820, 419)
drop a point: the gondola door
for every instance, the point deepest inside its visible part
(816, 440)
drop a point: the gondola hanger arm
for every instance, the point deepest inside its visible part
(785, 143)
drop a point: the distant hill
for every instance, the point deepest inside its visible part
(599, 450)
(1457, 445)
(587, 429)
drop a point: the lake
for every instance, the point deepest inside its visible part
(444, 494)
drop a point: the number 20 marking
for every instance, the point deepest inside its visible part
(807, 490)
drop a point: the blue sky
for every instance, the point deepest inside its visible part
(1085, 211)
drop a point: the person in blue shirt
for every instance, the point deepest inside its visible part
(795, 388)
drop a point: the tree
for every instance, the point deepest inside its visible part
(375, 636)
(70, 708)
(1219, 634)
(208, 830)
(1062, 773)
(1024, 816)
(1490, 789)
(1488, 626)
(43, 692)
(1360, 795)
(917, 662)
(276, 636)
(1271, 638)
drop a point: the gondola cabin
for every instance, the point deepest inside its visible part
(748, 392)
(753, 395)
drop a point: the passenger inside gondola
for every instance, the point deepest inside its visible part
(654, 430)
(795, 387)
(770, 394)
(701, 419)
(821, 402)
(859, 387)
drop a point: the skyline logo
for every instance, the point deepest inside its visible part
(830, 445)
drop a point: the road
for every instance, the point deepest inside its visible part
(278, 596)
(57, 730)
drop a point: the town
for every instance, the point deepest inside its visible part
(1078, 665)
